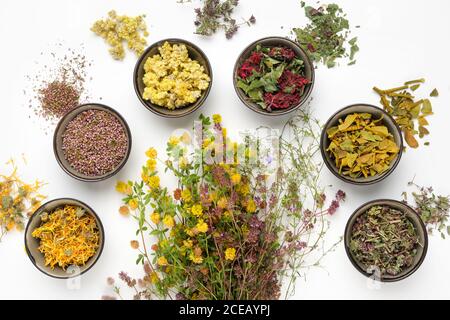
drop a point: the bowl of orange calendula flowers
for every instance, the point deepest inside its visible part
(173, 78)
(64, 238)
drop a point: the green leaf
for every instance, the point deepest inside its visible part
(434, 93)
(426, 107)
(242, 85)
(7, 201)
(271, 62)
(256, 95)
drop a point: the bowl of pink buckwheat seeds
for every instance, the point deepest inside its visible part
(92, 142)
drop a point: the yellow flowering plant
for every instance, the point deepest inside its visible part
(227, 231)
(18, 200)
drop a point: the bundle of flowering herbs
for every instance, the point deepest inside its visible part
(237, 226)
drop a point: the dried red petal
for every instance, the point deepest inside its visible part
(292, 81)
(281, 100)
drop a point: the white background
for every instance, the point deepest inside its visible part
(399, 40)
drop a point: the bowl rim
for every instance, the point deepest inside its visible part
(189, 109)
(75, 112)
(39, 212)
(326, 157)
(409, 210)
(307, 61)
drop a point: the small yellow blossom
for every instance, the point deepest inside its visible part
(206, 143)
(201, 226)
(169, 221)
(217, 118)
(152, 153)
(244, 189)
(223, 203)
(197, 210)
(144, 177)
(133, 203)
(186, 195)
(155, 217)
(236, 178)
(174, 141)
(151, 164)
(228, 214)
(224, 132)
(187, 243)
(123, 188)
(251, 206)
(230, 254)
(183, 162)
(154, 278)
(195, 259)
(162, 261)
(190, 232)
(153, 182)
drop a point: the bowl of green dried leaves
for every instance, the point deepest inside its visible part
(273, 76)
(361, 144)
(386, 240)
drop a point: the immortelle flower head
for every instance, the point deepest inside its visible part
(230, 229)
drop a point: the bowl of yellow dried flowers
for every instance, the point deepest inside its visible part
(361, 144)
(173, 78)
(64, 238)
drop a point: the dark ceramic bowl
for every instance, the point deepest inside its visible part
(32, 244)
(388, 121)
(58, 137)
(273, 42)
(195, 53)
(415, 220)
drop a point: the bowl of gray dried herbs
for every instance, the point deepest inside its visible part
(386, 240)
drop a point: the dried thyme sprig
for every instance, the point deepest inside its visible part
(215, 15)
(433, 209)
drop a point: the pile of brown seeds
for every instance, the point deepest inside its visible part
(60, 86)
(95, 143)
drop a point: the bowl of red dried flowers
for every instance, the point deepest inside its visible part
(273, 76)
(92, 142)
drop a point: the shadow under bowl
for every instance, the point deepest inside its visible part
(58, 142)
(32, 244)
(387, 121)
(418, 225)
(195, 53)
(274, 42)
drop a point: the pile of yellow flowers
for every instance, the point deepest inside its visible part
(67, 236)
(117, 29)
(18, 200)
(172, 79)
